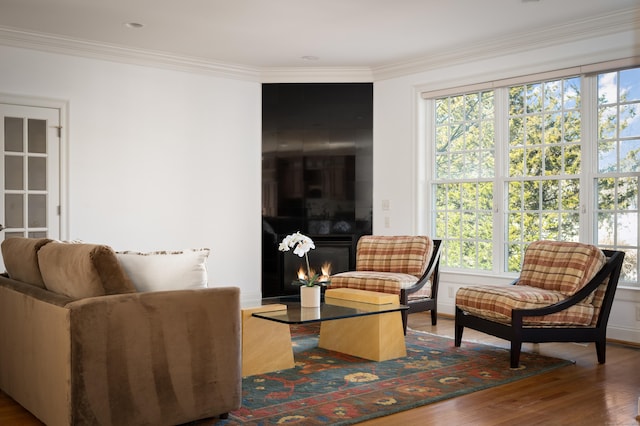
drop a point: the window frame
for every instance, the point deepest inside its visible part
(587, 176)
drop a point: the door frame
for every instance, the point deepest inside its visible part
(63, 168)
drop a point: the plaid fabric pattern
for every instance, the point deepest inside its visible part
(401, 254)
(598, 298)
(497, 302)
(560, 266)
(384, 282)
(423, 293)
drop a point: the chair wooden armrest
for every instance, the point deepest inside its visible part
(427, 303)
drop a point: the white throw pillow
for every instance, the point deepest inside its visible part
(166, 270)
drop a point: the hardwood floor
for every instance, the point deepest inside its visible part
(583, 394)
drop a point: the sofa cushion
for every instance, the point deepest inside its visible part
(166, 270)
(496, 303)
(20, 257)
(565, 267)
(82, 270)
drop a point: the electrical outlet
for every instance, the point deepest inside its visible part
(450, 292)
(387, 222)
(386, 205)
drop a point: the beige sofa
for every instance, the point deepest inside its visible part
(79, 345)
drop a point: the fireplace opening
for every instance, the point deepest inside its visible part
(337, 251)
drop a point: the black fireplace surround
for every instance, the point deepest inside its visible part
(317, 176)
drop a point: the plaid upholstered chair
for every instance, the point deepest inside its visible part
(404, 265)
(564, 294)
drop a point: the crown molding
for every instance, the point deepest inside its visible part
(317, 75)
(64, 45)
(69, 46)
(616, 22)
(613, 23)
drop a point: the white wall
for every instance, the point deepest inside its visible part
(163, 159)
(396, 117)
(157, 159)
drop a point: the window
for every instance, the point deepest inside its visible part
(617, 179)
(556, 159)
(465, 168)
(543, 184)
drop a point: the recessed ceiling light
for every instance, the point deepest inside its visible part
(135, 25)
(310, 58)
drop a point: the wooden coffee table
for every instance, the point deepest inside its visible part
(361, 323)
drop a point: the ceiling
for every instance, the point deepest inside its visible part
(274, 34)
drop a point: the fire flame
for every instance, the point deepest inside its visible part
(301, 274)
(324, 274)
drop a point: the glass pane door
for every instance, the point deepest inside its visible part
(30, 177)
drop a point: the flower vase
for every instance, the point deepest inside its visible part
(309, 296)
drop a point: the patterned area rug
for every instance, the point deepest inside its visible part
(329, 388)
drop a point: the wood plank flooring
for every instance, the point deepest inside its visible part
(583, 394)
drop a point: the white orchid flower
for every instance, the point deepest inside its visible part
(301, 245)
(286, 243)
(283, 246)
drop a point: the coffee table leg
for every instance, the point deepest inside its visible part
(266, 345)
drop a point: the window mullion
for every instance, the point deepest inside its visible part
(589, 140)
(501, 171)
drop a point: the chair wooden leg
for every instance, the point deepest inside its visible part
(405, 319)
(601, 348)
(516, 347)
(434, 317)
(458, 335)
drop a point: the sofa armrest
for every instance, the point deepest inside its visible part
(155, 358)
(35, 350)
